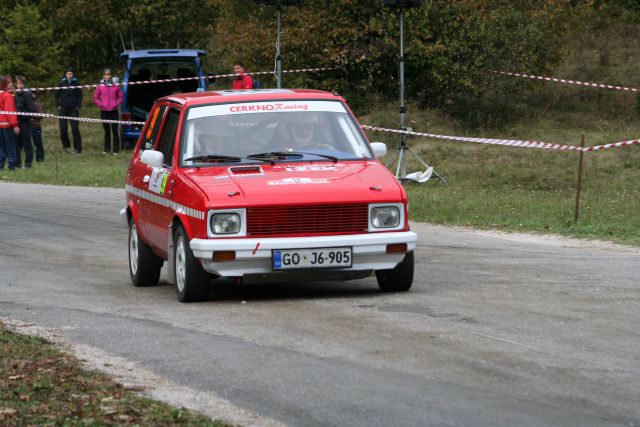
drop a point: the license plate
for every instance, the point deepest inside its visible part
(311, 258)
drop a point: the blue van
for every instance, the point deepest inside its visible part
(156, 64)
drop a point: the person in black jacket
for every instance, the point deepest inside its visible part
(68, 102)
(24, 104)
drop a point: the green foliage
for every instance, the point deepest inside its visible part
(449, 46)
(28, 45)
(92, 33)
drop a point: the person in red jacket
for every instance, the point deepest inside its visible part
(242, 80)
(8, 124)
(108, 98)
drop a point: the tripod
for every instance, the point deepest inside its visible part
(403, 148)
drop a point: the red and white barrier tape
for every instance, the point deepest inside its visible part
(505, 142)
(614, 145)
(79, 119)
(508, 142)
(569, 82)
(177, 79)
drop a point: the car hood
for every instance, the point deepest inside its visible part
(297, 183)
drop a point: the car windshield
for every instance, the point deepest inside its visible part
(272, 130)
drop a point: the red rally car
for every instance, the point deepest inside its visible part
(262, 186)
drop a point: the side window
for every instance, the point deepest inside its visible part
(167, 138)
(151, 133)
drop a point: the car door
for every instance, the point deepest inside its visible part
(140, 173)
(160, 213)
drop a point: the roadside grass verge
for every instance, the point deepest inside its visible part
(40, 385)
(90, 168)
(525, 189)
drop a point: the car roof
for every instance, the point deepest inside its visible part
(162, 53)
(248, 95)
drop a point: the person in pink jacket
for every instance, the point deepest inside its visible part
(108, 98)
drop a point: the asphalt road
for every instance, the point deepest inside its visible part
(498, 330)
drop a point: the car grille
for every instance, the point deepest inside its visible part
(332, 219)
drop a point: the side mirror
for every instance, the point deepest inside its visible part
(379, 148)
(153, 158)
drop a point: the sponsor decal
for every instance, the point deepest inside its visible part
(279, 106)
(153, 123)
(298, 181)
(265, 107)
(308, 168)
(158, 180)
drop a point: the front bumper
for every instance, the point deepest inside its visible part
(253, 256)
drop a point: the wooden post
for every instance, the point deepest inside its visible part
(579, 186)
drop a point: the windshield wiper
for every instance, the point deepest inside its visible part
(219, 158)
(213, 158)
(286, 154)
(272, 154)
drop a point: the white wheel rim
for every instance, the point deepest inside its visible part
(133, 249)
(181, 263)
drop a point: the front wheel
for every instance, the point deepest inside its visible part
(397, 279)
(192, 282)
(144, 265)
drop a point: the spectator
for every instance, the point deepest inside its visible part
(36, 131)
(68, 102)
(24, 104)
(108, 98)
(8, 124)
(243, 80)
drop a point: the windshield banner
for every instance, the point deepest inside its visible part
(265, 107)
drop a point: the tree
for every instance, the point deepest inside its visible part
(450, 46)
(28, 46)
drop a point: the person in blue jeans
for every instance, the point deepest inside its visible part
(8, 124)
(36, 131)
(24, 104)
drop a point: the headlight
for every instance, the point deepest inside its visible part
(385, 217)
(225, 223)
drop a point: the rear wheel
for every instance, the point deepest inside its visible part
(192, 282)
(397, 279)
(144, 265)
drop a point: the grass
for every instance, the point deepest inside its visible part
(534, 190)
(526, 189)
(90, 168)
(39, 385)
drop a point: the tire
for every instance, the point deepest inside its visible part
(144, 265)
(192, 282)
(398, 279)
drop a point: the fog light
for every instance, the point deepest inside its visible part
(397, 248)
(219, 256)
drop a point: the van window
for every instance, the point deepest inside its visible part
(140, 97)
(167, 138)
